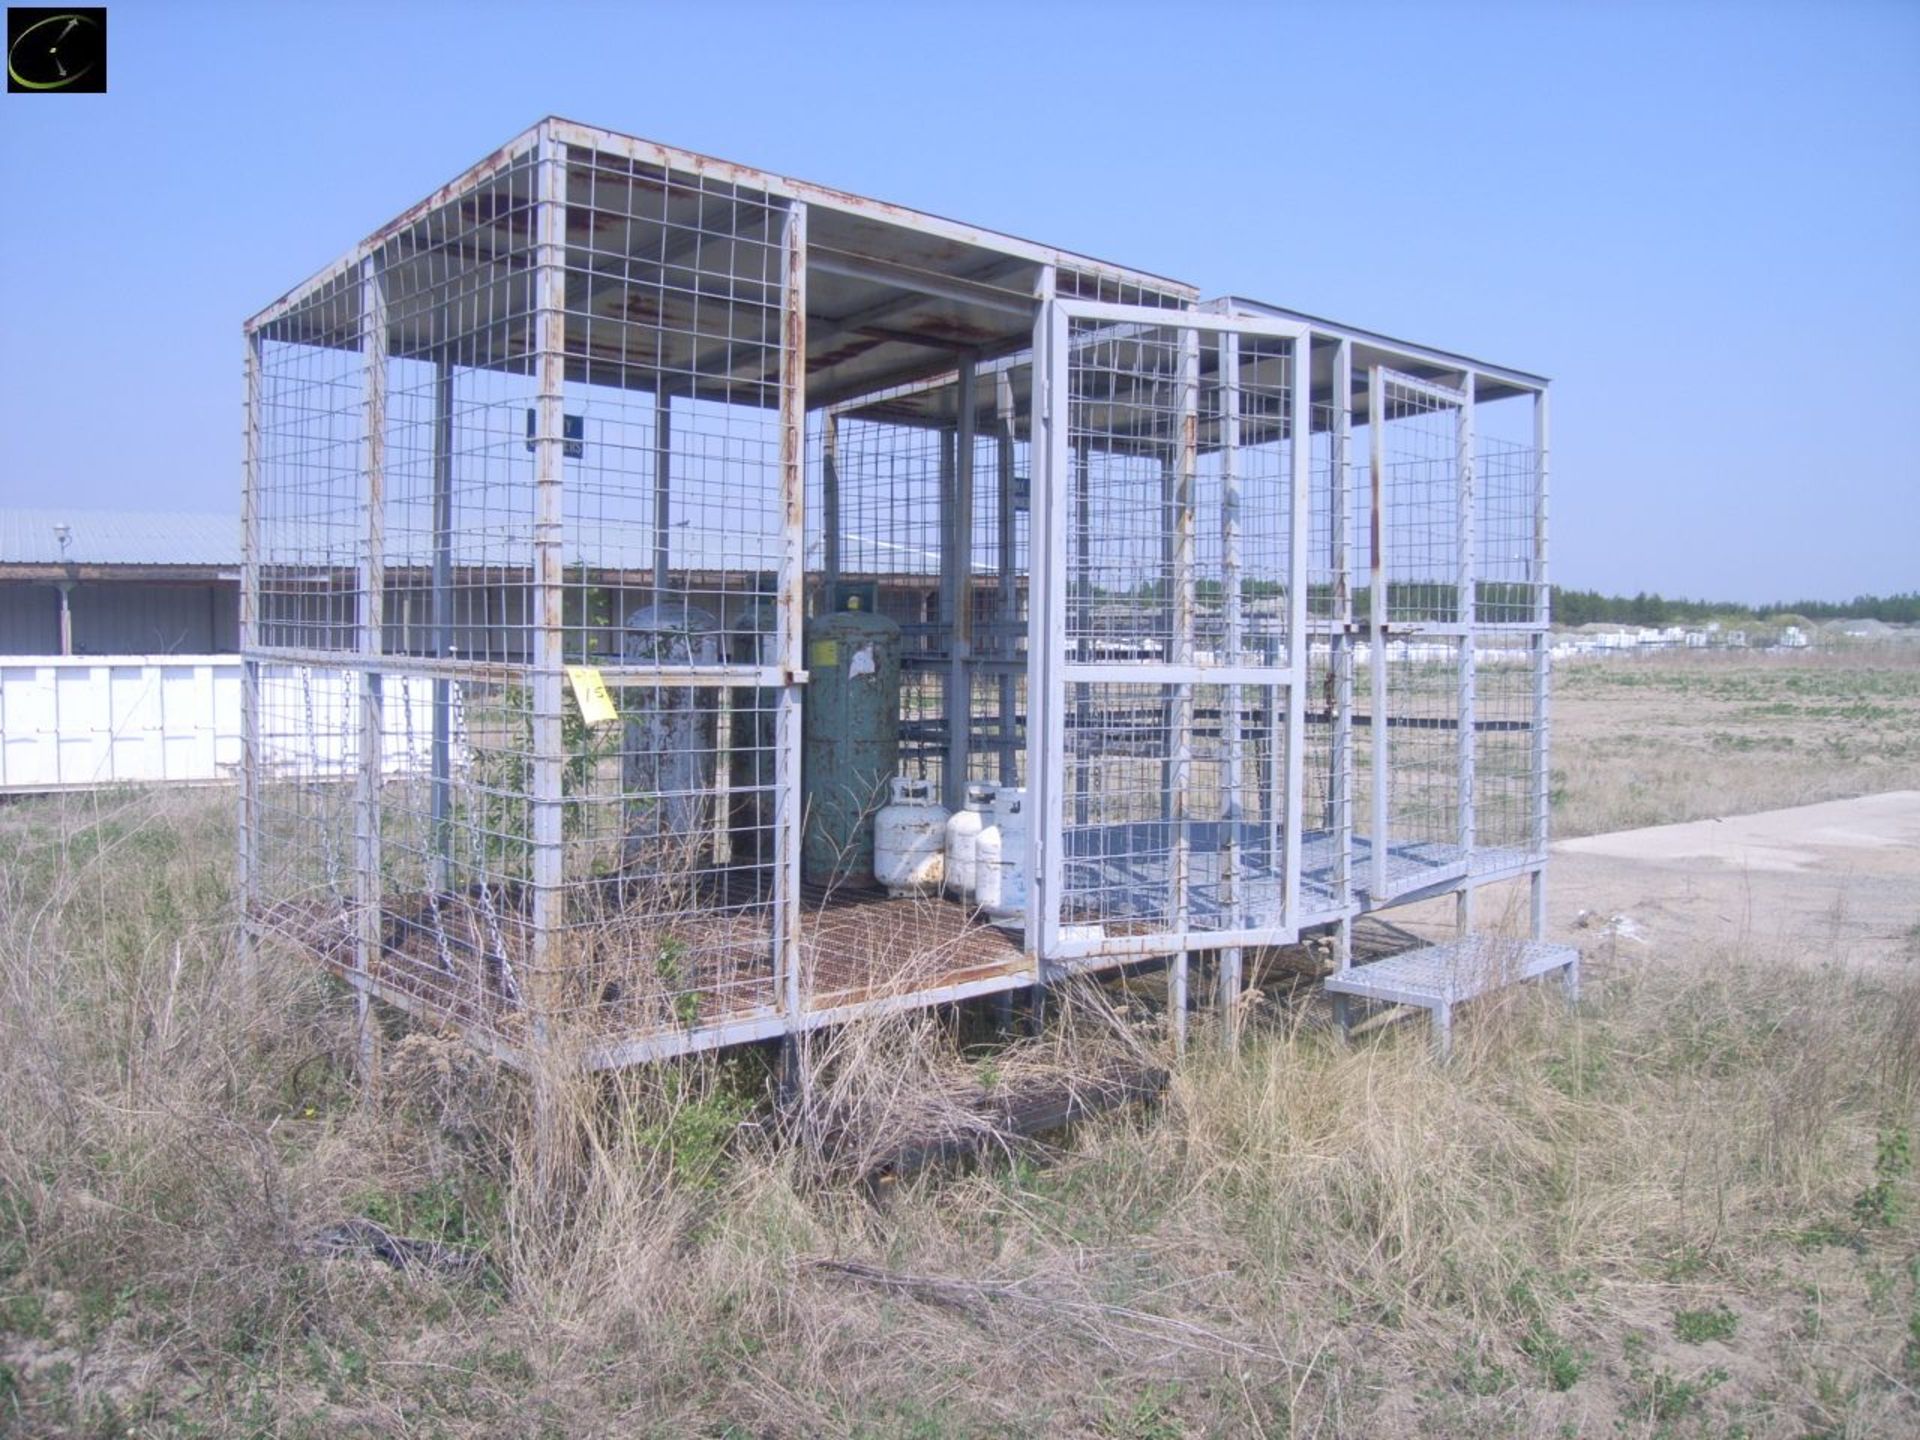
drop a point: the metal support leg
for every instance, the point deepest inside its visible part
(1443, 1031)
(1177, 1000)
(788, 1068)
(1232, 984)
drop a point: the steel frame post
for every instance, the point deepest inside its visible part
(1186, 463)
(1083, 571)
(1234, 816)
(1377, 632)
(248, 859)
(366, 807)
(1340, 655)
(1046, 623)
(791, 613)
(662, 489)
(1542, 672)
(1168, 620)
(549, 745)
(441, 764)
(952, 783)
(1300, 427)
(1006, 603)
(1466, 611)
(830, 501)
(958, 569)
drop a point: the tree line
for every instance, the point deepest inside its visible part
(1584, 607)
(1498, 601)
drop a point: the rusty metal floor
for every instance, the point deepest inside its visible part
(633, 976)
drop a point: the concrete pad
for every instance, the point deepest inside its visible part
(1833, 882)
(1798, 839)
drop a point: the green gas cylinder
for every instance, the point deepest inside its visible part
(851, 722)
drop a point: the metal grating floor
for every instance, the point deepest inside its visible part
(1453, 971)
(1122, 872)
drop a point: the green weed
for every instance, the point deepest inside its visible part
(1696, 1327)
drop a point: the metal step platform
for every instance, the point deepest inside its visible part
(1438, 977)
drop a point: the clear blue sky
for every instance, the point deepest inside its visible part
(1702, 220)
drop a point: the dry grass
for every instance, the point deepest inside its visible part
(1690, 736)
(1298, 1239)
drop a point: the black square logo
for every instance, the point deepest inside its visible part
(51, 51)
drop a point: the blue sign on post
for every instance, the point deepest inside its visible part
(573, 434)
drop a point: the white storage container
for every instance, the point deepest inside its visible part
(1000, 857)
(909, 839)
(963, 836)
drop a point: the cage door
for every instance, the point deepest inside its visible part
(1168, 643)
(1418, 826)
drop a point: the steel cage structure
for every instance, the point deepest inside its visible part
(1254, 605)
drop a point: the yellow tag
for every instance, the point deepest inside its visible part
(824, 655)
(590, 691)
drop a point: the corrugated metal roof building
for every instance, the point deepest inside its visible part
(118, 582)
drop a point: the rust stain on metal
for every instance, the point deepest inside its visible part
(850, 350)
(1373, 523)
(474, 175)
(854, 948)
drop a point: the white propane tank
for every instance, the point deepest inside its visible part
(963, 835)
(1000, 857)
(909, 839)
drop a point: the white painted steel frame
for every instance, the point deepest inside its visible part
(1340, 651)
(1542, 672)
(790, 611)
(1467, 611)
(249, 837)
(554, 131)
(957, 592)
(1382, 886)
(1051, 672)
(1396, 353)
(546, 674)
(1051, 677)
(372, 581)
(1229, 981)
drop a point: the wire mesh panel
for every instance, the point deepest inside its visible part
(307, 750)
(1505, 756)
(1178, 651)
(930, 526)
(673, 532)
(309, 509)
(999, 542)
(1327, 779)
(1510, 642)
(883, 544)
(402, 412)
(528, 560)
(1506, 566)
(1417, 435)
(1418, 692)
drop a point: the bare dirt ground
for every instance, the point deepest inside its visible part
(1837, 881)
